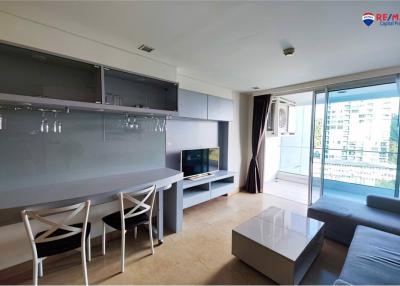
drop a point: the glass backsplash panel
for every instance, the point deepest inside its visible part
(89, 145)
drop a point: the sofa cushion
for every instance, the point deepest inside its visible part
(337, 215)
(379, 219)
(383, 203)
(342, 217)
(373, 258)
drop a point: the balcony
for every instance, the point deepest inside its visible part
(348, 179)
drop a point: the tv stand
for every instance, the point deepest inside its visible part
(200, 176)
(206, 188)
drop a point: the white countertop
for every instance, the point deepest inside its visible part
(280, 230)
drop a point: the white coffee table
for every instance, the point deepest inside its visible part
(278, 243)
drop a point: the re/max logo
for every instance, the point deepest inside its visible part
(383, 19)
(386, 17)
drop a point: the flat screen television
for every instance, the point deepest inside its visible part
(199, 161)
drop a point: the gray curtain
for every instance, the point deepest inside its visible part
(260, 114)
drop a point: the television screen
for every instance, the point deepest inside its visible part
(199, 161)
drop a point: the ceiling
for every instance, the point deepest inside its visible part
(235, 44)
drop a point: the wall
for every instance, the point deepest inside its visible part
(90, 145)
(188, 134)
(295, 149)
(271, 157)
(14, 247)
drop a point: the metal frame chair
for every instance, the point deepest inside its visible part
(142, 206)
(57, 231)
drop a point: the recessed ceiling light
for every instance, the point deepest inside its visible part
(288, 51)
(145, 48)
(255, 87)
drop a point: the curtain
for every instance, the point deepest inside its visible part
(260, 113)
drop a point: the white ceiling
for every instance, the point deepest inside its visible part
(235, 44)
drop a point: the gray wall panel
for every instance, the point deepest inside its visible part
(90, 145)
(192, 104)
(188, 134)
(220, 108)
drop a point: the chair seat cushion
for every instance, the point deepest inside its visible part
(373, 258)
(50, 248)
(114, 220)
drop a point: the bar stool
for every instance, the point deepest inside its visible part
(60, 237)
(127, 219)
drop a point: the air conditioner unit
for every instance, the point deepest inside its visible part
(281, 118)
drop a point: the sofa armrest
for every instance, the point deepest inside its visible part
(383, 203)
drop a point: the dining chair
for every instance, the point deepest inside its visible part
(61, 236)
(128, 219)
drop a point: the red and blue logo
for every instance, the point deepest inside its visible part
(368, 18)
(382, 19)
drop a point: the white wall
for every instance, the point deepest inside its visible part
(272, 153)
(14, 247)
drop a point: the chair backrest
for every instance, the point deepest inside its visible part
(41, 215)
(143, 202)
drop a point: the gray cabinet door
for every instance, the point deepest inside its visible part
(192, 104)
(220, 109)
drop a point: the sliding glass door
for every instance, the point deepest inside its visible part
(315, 183)
(355, 141)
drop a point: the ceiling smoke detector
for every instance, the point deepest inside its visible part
(288, 51)
(145, 48)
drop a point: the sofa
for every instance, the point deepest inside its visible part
(373, 258)
(341, 216)
(373, 232)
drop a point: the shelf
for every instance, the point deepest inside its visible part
(133, 90)
(44, 80)
(222, 174)
(37, 74)
(221, 188)
(23, 100)
(193, 197)
(218, 185)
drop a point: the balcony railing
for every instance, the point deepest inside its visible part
(361, 167)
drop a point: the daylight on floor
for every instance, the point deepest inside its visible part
(200, 142)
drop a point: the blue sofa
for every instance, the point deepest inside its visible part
(373, 259)
(373, 232)
(341, 216)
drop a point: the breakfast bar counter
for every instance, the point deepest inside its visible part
(100, 190)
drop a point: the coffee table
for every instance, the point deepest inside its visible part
(278, 243)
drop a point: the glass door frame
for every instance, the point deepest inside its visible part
(311, 157)
(345, 85)
(312, 140)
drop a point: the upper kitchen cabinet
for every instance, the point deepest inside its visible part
(139, 92)
(192, 104)
(220, 109)
(26, 72)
